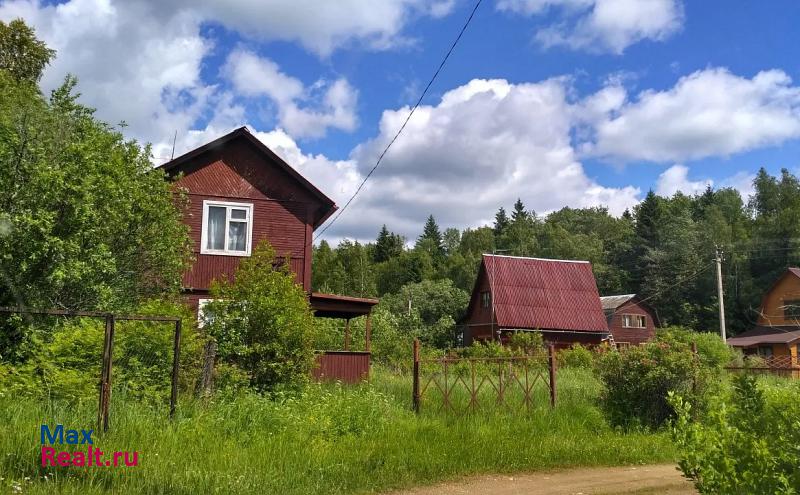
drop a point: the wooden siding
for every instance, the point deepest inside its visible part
(478, 322)
(633, 336)
(343, 366)
(787, 288)
(283, 222)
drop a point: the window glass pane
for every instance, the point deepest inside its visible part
(238, 214)
(237, 236)
(215, 233)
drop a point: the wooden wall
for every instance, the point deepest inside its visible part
(787, 288)
(633, 336)
(282, 210)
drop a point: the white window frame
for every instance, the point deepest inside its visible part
(228, 205)
(633, 317)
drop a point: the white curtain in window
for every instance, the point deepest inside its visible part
(237, 236)
(215, 236)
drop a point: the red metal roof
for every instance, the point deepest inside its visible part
(544, 294)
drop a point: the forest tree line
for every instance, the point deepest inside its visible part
(663, 250)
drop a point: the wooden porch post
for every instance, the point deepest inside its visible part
(347, 335)
(368, 337)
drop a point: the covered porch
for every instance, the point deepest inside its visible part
(346, 365)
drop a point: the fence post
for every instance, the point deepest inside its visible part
(176, 355)
(105, 375)
(207, 378)
(551, 351)
(694, 367)
(415, 393)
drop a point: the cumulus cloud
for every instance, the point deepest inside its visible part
(298, 112)
(676, 178)
(479, 148)
(602, 25)
(708, 113)
(133, 64)
(319, 26)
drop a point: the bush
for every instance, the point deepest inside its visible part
(526, 343)
(638, 381)
(750, 444)
(262, 322)
(576, 357)
(711, 350)
(67, 360)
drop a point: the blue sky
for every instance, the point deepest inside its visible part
(559, 102)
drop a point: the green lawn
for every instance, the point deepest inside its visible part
(330, 439)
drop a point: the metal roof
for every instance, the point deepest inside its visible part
(765, 335)
(613, 302)
(539, 293)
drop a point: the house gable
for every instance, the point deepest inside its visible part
(784, 294)
(238, 171)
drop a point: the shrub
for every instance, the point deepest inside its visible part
(526, 342)
(262, 322)
(751, 444)
(67, 361)
(711, 350)
(638, 380)
(576, 357)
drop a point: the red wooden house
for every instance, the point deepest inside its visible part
(630, 319)
(240, 193)
(555, 297)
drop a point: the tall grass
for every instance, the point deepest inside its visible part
(327, 439)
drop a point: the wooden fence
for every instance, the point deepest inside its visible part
(464, 384)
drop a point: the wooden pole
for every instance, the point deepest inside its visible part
(551, 350)
(720, 297)
(347, 335)
(176, 356)
(368, 334)
(415, 392)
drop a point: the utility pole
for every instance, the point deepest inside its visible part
(718, 260)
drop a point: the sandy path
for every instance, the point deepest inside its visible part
(657, 479)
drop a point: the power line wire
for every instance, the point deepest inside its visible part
(408, 117)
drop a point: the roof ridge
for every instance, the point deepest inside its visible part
(532, 258)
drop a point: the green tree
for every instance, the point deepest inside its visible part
(262, 322)
(431, 238)
(22, 56)
(387, 246)
(501, 223)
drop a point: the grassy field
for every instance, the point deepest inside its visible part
(329, 439)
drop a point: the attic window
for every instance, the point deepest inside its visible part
(486, 299)
(791, 309)
(633, 321)
(227, 228)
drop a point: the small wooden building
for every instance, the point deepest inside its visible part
(631, 320)
(558, 298)
(777, 332)
(240, 193)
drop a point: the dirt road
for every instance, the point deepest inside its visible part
(657, 479)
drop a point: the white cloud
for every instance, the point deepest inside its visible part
(319, 26)
(708, 113)
(676, 178)
(298, 113)
(476, 150)
(602, 25)
(132, 64)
